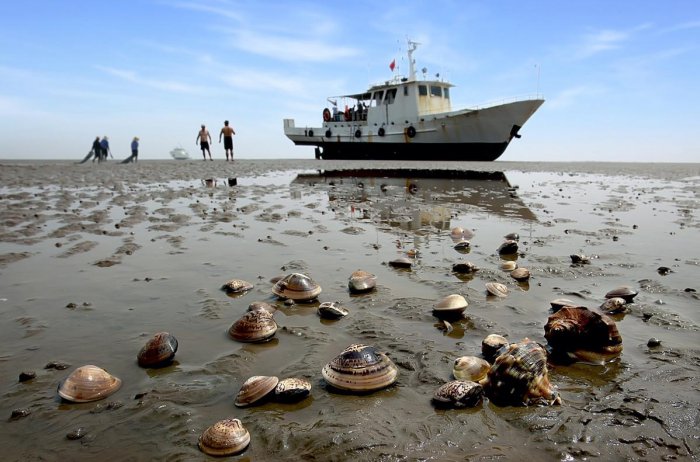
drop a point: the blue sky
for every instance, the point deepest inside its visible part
(620, 78)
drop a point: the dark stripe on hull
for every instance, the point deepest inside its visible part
(412, 151)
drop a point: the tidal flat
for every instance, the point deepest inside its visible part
(95, 259)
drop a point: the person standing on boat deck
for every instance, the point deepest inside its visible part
(134, 151)
(104, 145)
(227, 132)
(204, 138)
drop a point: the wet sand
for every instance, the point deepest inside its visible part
(97, 258)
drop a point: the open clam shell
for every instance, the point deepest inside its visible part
(237, 286)
(224, 438)
(450, 306)
(255, 389)
(158, 351)
(292, 389)
(458, 393)
(470, 368)
(298, 287)
(362, 281)
(497, 289)
(253, 326)
(88, 383)
(360, 369)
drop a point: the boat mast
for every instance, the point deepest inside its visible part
(411, 62)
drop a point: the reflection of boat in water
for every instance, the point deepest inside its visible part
(411, 118)
(411, 198)
(179, 154)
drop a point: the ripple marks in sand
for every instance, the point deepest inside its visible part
(80, 247)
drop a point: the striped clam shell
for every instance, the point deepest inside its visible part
(292, 389)
(159, 350)
(298, 287)
(255, 389)
(253, 326)
(360, 368)
(237, 286)
(497, 289)
(362, 281)
(88, 383)
(224, 438)
(331, 310)
(458, 393)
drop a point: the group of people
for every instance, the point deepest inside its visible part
(204, 139)
(100, 150)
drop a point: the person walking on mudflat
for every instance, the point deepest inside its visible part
(134, 157)
(227, 132)
(204, 138)
(95, 151)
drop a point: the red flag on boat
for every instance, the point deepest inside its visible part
(392, 65)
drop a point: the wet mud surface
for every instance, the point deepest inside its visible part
(96, 259)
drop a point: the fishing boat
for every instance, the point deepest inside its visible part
(407, 118)
(179, 153)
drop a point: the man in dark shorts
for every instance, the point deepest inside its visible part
(227, 132)
(204, 138)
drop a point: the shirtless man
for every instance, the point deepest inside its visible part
(204, 138)
(227, 132)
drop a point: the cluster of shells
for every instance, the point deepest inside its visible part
(506, 373)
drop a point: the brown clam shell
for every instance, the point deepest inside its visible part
(401, 262)
(614, 305)
(253, 326)
(491, 346)
(331, 310)
(255, 389)
(298, 287)
(519, 376)
(262, 306)
(583, 334)
(224, 438)
(88, 383)
(470, 368)
(560, 303)
(497, 289)
(509, 247)
(463, 246)
(450, 306)
(464, 267)
(520, 274)
(159, 350)
(625, 292)
(579, 259)
(292, 389)
(458, 393)
(362, 281)
(237, 286)
(360, 369)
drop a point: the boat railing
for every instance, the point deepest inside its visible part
(512, 99)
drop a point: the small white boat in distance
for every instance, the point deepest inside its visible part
(179, 154)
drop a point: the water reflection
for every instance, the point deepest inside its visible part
(412, 198)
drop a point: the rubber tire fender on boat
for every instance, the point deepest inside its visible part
(326, 115)
(358, 133)
(310, 133)
(411, 132)
(381, 131)
(328, 133)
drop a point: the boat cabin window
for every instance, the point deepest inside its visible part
(378, 97)
(405, 90)
(435, 90)
(422, 90)
(446, 92)
(390, 96)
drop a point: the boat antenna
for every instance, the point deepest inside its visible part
(537, 95)
(411, 63)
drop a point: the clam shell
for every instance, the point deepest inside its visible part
(458, 393)
(362, 281)
(255, 389)
(401, 262)
(331, 310)
(88, 383)
(451, 305)
(237, 286)
(520, 274)
(580, 333)
(224, 438)
(579, 259)
(519, 376)
(457, 232)
(491, 346)
(159, 350)
(298, 287)
(512, 236)
(625, 292)
(464, 267)
(253, 326)
(262, 306)
(292, 389)
(497, 289)
(470, 368)
(360, 369)
(463, 246)
(508, 265)
(560, 303)
(614, 305)
(509, 247)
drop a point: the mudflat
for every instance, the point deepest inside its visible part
(97, 258)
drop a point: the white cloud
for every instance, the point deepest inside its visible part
(570, 96)
(133, 77)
